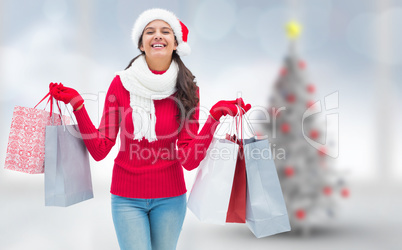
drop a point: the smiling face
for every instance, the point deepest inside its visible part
(158, 40)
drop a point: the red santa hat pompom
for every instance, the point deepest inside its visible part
(180, 30)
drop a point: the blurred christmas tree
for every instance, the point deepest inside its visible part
(309, 181)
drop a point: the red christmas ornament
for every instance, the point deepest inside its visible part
(300, 214)
(322, 151)
(289, 171)
(283, 71)
(311, 88)
(327, 190)
(310, 103)
(285, 128)
(291, 98)
(314, 134)
(302, 64)
(345, 192)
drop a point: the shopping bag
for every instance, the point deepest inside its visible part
(26, 142)
(266, 212)
(210, 194)
(211, 191)
(237, 204)
(67, 170)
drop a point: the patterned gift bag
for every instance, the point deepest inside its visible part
(26, 142)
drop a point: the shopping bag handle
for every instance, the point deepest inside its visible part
(248, 122)
(50, 99)
(232, 130)
(71, 116)
(61, 115)
(236, 119)
(251, 128)
(51, 110)
(240, 121)
(231, 124)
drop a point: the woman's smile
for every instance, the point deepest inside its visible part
(158, 46)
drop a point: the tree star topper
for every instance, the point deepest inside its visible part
(293, 29)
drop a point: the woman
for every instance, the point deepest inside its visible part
(154, 102)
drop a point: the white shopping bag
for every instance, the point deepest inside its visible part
(210, 194)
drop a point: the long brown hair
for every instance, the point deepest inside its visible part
(186, 93)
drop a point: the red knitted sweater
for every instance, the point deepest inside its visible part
(145, 169)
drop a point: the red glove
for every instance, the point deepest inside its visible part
(67, 95)
(223, 108)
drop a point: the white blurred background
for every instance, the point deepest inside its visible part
(237, 46)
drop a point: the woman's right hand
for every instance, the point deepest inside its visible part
(66, 95)
(223, 108)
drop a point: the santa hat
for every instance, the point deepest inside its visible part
(180, 30)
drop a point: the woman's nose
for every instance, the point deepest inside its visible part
(158, 35)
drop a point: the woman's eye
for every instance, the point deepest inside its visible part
(151, 32)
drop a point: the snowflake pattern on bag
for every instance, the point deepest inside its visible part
(26, 142)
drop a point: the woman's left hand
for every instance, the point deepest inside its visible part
(223, 108)
(65, 94)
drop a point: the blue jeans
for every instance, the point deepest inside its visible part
(145, 224)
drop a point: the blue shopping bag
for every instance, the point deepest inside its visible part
(266, 212)
(67, 170)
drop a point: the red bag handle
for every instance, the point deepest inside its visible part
(51, 103)
(241, 125)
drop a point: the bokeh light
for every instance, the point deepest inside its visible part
(214, 19)
(362, 35)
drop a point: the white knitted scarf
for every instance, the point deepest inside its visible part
(144, 87)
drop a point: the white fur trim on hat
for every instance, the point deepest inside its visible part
(183, 49)
(160, 14)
